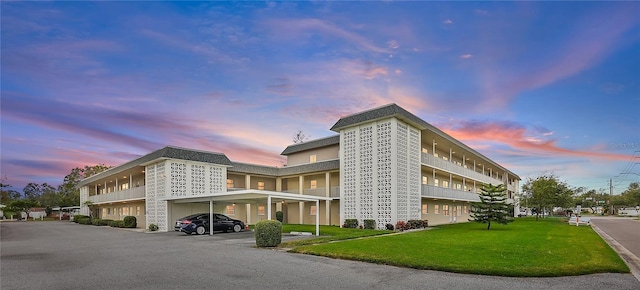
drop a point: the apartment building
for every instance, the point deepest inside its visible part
(384, 164)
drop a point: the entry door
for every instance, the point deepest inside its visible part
(454, 214)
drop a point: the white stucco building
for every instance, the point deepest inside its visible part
(384, 164)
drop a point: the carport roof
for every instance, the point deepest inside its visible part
(251, 194)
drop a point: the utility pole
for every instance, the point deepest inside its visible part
(610, 186)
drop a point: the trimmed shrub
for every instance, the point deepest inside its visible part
(401, 226)
(153, 227)
(414, 224)
(370, 224)
(425, 224)
(389, 227)
(105, 222)
(77, 217)
(280, 216)
(117, 224)
(84, 220)
(268, 233)
(96, 221)
(351, 223)
(130, 221)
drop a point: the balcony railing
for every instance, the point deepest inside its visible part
(457, 169)
(335, 191)
(128, 194)
(448, 193)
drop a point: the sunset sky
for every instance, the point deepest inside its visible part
(540, 87)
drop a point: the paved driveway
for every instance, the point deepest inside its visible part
(64, 255)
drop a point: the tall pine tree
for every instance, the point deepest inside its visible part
(492, 207)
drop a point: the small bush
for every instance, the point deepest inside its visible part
(414, 224)
(117, 224)
(425, 224)
(389, 227)
(105, 222)
(77, 217)
(153, 227)
(84, 220)
(130, 221)
(351, 223)
(370, 224)
(401, 226)
(96, 221)
(280, 216)
(268, 233)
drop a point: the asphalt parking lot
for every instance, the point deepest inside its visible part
(64, 255)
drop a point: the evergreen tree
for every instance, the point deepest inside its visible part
(492, 207)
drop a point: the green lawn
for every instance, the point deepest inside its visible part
(525, 248)
(328, 234)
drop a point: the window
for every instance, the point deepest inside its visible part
(424, 179)
(424, 150)
(261, 210)
(436, 182)
(458, 186)
(459, 210)
(314, 184)
(435, 154)
(108, 210)
(445, 183)
(445, 209)
(445, 158)
(312, 158)
(230, 183)
(313, 210)
(138, 210)
(231, 209)
(125, 211)
(124, 186)
(104, 212)
(465, 209)
(436, 209)
(260, 185)
(425, 209)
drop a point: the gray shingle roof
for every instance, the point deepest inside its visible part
(166, 152)
(313, 144)
(253, 169)
(391, 110)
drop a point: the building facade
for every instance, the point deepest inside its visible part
(384, 164)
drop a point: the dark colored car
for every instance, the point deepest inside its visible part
(199, 224)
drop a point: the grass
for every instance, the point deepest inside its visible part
(327, 234)
(525, 248)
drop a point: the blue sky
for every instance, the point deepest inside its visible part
(540, 87)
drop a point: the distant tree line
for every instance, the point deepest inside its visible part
(546, 192)
(45, 195)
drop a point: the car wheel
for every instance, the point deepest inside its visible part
(200, 230)
(237, 228)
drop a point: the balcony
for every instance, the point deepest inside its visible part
(448, 193)
(122, 195)
(438, 163)
(334, 191)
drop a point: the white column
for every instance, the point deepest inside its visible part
(268, 207)
(317, 217)
(301, 203)
(327, 212)
(211, 218)
(247, 181)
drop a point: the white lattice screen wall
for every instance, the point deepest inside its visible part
(176, 179)
(380, 172)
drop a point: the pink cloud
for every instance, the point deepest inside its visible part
(520, 139)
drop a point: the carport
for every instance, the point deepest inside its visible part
(251, 194)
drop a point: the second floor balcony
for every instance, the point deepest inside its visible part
(451, 167)
(448, 193)
(121, 195)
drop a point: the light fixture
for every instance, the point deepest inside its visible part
(124, 177)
